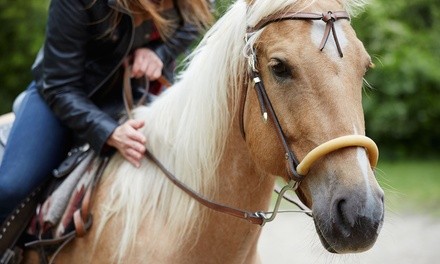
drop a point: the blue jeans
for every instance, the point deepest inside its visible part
(37, 144)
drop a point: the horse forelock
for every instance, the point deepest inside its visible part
(186, 129)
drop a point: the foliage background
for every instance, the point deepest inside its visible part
(402, 108)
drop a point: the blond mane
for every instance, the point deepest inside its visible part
(186, 128)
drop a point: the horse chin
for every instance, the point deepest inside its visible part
(342, 241)
(324, 242)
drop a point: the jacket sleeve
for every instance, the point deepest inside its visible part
(63, 74)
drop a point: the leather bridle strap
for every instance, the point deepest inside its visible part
(265, 104)
(253, 217)
(127, 92)
(328, 18)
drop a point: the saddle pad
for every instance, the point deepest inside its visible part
(57, 211)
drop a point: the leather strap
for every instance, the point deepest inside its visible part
(128, 93)
(252, 217)
(61, 242)
(265, 104)
(328, 18)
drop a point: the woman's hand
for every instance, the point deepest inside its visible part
(129, 141)
(146, 63)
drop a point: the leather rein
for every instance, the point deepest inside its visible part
(296, 170)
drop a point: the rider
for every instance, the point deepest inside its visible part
(76, 93)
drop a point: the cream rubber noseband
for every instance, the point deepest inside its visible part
(338, 143)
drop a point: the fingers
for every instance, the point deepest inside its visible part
(133, 126)
(153, 71)
(129, 141)
(146, 63)
(133, 156)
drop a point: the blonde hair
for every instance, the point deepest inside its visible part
(195, 12)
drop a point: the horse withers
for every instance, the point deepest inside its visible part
(269, 84)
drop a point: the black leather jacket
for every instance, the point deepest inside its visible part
(78, 59)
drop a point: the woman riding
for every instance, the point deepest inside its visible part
(77, 88)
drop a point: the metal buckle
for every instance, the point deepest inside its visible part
(291, 186)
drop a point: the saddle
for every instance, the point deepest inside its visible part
(57, 211)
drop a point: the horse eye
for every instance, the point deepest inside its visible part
(280, 69)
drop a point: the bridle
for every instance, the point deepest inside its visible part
(295, 169)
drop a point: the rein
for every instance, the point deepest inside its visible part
(296, 170)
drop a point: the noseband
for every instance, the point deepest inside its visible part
(298, 170)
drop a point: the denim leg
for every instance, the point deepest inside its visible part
(37, 144)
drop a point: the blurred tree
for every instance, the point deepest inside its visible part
(21, 35)
(403, 107)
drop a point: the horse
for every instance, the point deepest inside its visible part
(269, 84)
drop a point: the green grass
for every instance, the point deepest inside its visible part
(412, 186)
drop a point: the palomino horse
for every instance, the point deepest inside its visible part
(193, 129)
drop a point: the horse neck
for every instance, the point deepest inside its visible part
(240, 185)
(242, 182)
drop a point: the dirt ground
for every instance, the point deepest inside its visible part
(405, 239)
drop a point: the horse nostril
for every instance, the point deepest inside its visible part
(349, 216)
(342, 217)
(340, 210)
(355, 221)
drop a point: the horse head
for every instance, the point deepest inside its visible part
(308, 67)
